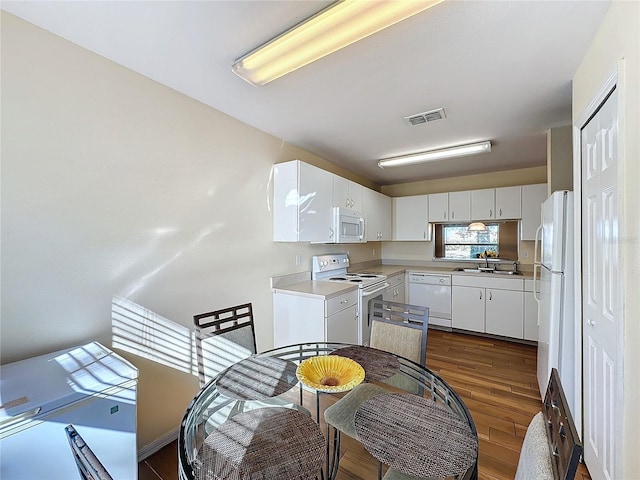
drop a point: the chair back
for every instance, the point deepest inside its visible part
(551, 449)
(89, 466)
(223, 337)
(399, 328)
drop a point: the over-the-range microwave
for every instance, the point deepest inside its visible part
(348, 226)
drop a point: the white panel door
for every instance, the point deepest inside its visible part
(601, 315)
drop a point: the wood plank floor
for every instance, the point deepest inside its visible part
(497, 381)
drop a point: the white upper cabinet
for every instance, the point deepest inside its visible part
(376, 208)
(438, 207)
(532, 198)
(483, 204)
(508, 203)
(460, 206)
(410, 216)
(302, 203)
(347, 194)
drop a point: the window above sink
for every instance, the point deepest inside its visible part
(456, 243)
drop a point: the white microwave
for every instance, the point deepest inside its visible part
(348, 226)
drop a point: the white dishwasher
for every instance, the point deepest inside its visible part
(434, 291)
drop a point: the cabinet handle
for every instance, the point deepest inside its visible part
(491, 213)
(344, 301)
(453, 215)
(500, 212)
(490, 295)
(331, 233)
(480, 294)
(444, 215)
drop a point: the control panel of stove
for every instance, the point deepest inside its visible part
(330, 262)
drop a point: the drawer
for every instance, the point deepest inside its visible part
(395, 280)
(488, 281)
(340, 302)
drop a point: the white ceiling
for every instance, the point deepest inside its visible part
(502, 70)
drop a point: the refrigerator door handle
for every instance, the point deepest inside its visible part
(536, 265)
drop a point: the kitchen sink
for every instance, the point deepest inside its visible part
(479, 270)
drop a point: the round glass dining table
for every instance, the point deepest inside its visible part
(420, 427)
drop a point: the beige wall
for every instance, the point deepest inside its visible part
(506, 178)
(116, 186)
(617, 44)
(560, 158)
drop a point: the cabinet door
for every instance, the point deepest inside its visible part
(347, 194)
(410, 218)
(343, 326)
(460, 206)
(483, 204)
(384, 216)
(467, 308)
(532, 198)
(376, 208)
(355, 196)
(341, 192)
(438, 207)
(371, 214)
(504, 312)
(508, 203)
(530, 317)
(315, 206)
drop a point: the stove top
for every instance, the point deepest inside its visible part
(333, 268)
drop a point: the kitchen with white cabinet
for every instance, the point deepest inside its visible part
(481, 303)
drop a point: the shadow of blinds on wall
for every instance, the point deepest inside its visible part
(140, 331)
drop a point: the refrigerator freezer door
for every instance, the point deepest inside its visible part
(88, 386)
(549, 325)
(51, 381)
(40, 449)
(554, 214)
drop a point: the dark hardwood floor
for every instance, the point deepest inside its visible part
(497, 381)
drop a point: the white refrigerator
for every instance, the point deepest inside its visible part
(89, 387)
(559, 337)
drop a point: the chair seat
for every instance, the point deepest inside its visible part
(341, 415)
(535, 461)
(264, 443)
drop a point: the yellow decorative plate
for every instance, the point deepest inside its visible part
(330, 373)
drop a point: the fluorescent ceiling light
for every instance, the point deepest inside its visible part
(341, 24)
(432, 155)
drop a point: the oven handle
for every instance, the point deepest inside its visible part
(367, 293)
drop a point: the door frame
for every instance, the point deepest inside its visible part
(610, 83)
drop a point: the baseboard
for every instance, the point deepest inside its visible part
(157, 444)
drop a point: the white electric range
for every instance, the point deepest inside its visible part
(333, 268)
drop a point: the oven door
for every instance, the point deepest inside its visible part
(365, 295)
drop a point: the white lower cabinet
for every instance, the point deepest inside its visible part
(488, 305)
(301, 318)
(467, 308)
(530, 312)
(503, 312)
(395, 292)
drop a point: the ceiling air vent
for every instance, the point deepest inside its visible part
(425, 117)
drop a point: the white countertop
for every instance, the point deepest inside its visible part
(323, 289)
(313, 288)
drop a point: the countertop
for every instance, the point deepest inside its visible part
(324, 289)
(390, 270)
(313, 288)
